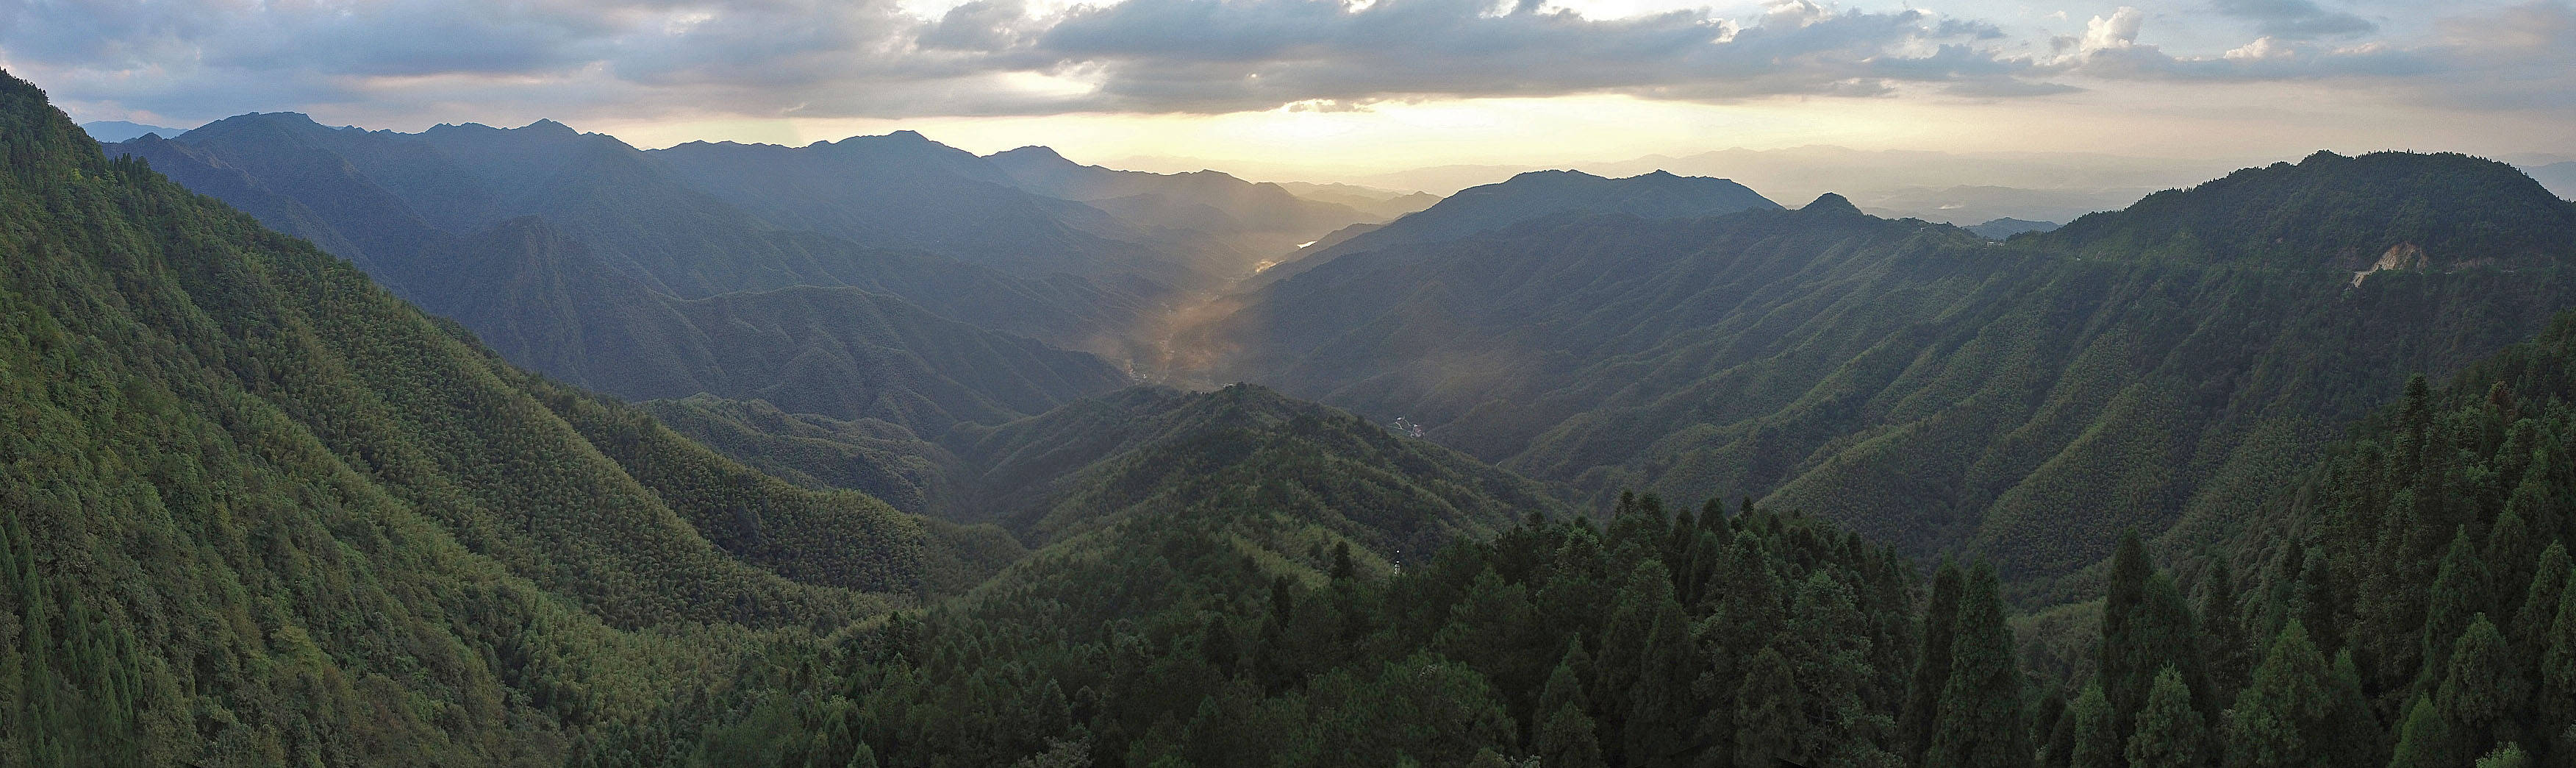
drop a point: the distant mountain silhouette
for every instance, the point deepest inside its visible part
(2004, 229)
(120, 130)
(1536, 195)
(1260, 221)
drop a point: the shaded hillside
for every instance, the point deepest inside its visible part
(260, 511)
(1260, 221)
(1532, 196)
(389, 200)
(1094, 461)
(2430, 548)
(1381, 203)
(905, 190)
(1921, 384)
(585, 309)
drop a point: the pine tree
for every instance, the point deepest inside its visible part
(1979, 722)
(2285, 717)
(1566, 735)
(2539, 611)
(2223, 627)
(2359, 739)
(2482, 690)
(2506, 756)
(2554, 700)
(2170, 733)
(1770, 716)
(2146, 626)
(1932, 665)
(2425, 739)
(2057, 751)
(2458, 593)
(2096, 744)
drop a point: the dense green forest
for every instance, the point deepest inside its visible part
(255, 510)
(2028, 400)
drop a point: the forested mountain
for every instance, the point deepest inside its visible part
(259, 511)
(576, 256)
(1259, 221)
(1532, 196)
(902, 189)
(1929, 387)
(256, 509)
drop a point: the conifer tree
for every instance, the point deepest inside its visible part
(2506, 756)
(2170, 733)
(2554, 700)
(1979, 723)
(2424, 740)
(1770, 716)
(2285, 716)
(2223, 628)
(1566, 735)
(2458, 593)
(2482, 690)
(1932, 665)
(2095, 744)
(2146, 626)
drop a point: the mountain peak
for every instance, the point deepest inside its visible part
(2345, 212)
(549, 126)
(1830, 203)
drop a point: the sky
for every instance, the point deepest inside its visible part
(1344, 89)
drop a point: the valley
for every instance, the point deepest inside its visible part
(527, 446)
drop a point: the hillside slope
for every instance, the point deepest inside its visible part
(1919, 383)
(260, 511)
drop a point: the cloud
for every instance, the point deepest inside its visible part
(405, 60)
(2509, 58)
(2296, 19)
(871, 58)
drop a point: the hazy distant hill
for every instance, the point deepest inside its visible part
(2560, 178)
(2004, 229)
(1535, 195)
(577, 256)
(1382, 203)
(120, 130)
(1924, 385)
(1260, 221)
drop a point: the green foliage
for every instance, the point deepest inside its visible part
(2170, 365)
(1979, 723)
(2170, 733)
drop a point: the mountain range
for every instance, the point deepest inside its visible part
(1927, 386)
(265, 509)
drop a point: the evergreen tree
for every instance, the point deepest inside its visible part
(1770, 715)
(1979, 723)
(2482, 690)
(1566, 735)
(2506, 756)
(2096, 743)
(2223, 631)
(1931, 666)
(2425, 739)
(2459, 592)
(2170, 733)
(2554, 698)
(2285, 716)
(2146, 626)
